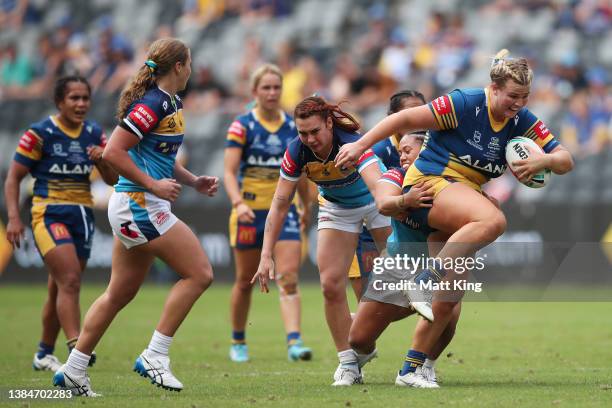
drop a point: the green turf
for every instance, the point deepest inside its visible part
(504, 354)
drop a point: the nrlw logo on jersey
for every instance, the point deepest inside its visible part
(66, 168)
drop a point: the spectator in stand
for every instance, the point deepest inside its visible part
(584, 130)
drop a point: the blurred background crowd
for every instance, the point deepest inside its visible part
(359, 51)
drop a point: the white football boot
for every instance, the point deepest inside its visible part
(347, 375)
(47, 363)
(156, 367)
(416, 380)
(430, 374)
(79, 385)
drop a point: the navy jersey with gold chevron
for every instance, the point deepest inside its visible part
(157, 120)
(470, 143)
(343, 187)
(57, 159)
(263, 144)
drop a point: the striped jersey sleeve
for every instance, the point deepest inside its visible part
(291, 166)
(368, 157)
(394, 176)
(236, 135)
(447, 109)
(532, 127)
(29, 149)
(143, 116)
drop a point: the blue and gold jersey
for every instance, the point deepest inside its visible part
(343, 187)
(263, 144)
(157, 120)
(470, 144)
(57, 159)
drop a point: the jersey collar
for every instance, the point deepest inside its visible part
(495, 125)
(70, 132)
(270, 126)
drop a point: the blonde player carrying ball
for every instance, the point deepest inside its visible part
(469, 130)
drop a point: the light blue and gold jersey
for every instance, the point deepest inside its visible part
(263, 144)
(401, 232)
(470, 144)
(157, 120)
(341, 186)
(57, 159)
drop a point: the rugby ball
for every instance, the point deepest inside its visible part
(516, 150)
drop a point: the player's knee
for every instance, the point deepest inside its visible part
(243, 285)
(204, 278)
(287, 283)
(332, 289)
(118, 300)
(495, 226)
(70, 284)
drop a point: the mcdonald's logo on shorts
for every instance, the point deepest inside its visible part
(59, 231)
(247, 235)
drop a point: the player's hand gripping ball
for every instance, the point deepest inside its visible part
(518, 148)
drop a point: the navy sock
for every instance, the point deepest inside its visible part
(414, 359)
(44, 349)
(293, 337)
(238, 337)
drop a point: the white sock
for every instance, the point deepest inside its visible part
(429, 363)
(365, 357)
(347, 357)
(77, 362)
(160, 343)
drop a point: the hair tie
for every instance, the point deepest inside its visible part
(496, 61)
(151, 65)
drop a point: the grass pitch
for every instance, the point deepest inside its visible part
(504, 354)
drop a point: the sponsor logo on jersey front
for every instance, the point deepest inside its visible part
(75, 147)
(167, 147)
(489, 167)
(494, 149)
(254, 160)
(66, 168)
